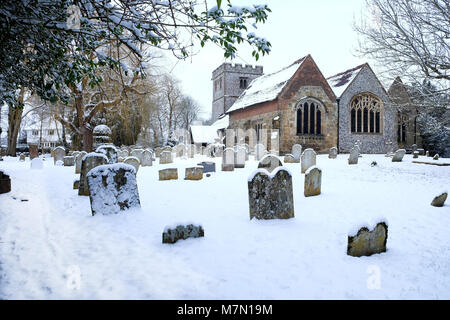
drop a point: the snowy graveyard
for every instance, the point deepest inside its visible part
(53, 247)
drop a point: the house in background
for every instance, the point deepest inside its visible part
(46, 134)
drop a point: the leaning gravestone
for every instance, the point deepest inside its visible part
(168, 174)
(228, 160)
(133, 161)
(398, 156)
(313, 181)
(439, 200)
(333, 153)
(69, 161)
(89, 162)
(166, 157)
(113, 189)
(110, 151)
(366, 243)
(270, 195)
(78, 160)
(239, 157)
(59, 154)
(5, 183)
(270, 163)
(308, 159)
(194, 173)
(146, 159)
(354, 155)
(180, 232)
(296, 152)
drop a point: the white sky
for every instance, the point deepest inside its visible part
(295, 28)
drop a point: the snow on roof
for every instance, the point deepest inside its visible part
(266, 87)
(341, 81)
(204, 134)
(222, 123)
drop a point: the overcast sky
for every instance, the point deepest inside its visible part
(295, 28)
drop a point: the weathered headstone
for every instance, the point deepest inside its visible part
(333, 153)
(132, 161)
(180, 232)
(89, 162)
(398, 155)
(168, 174)
(166, 157)
(208, 166)
(270, 163)
(270, 195)
(137, 153)
(194, 173)
(439, 200)
(354, 155)
(239, 157)
(308, 159)
(110, 151)
(146, 159)
(296, 152)
(113, 189)
(5, 183)
(78, 160)
(313, 181)
(59, 154)
(366, 242)
(69, 161)
(180, 150)
(228, 160)
(34, 153)
(427, 153)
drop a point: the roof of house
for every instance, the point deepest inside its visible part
(266, 87)
(340, 82)
(222, 122)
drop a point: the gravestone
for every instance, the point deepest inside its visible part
(366, 242)
(239, 157)
(421, 151)
(22, 157)
(146, 159)
(354, 155)
(168, 174)
(260, 151)
(313, 181)
(190, 150)
(59, 154)
(5, 183)
(78, 160)
(270, 195)
(333, 153)
(289, 158)
(308, 159)
(89, 162)
(228, 160)
(76, 184)
(296, 152)
(137, 153)
(439, 200)
(436, 157)
(270, 163)
(113, 189)
(413, 148)
(208, 166)
(427, 153)
(123, 153)
(415, 154)
(398, 156)
(180, 232)
(158, 151)
(194, 173)
(132, 161)
(166, 157)
(34, 153)
(110, 151)
(180, 150)
(69, 161)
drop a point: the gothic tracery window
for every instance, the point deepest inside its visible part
(365, 114)
(309, 118)
(402, 125)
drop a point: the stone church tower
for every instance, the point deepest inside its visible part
(229, 81)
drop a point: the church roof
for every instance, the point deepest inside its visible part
(340, 82)
(266, 87)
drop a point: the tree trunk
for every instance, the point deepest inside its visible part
(88, 138)
(14, 120)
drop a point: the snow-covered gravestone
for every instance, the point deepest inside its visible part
(133, 161)
(146, 159)
(270, 195)
(398, 156)
(110, 151)
(113, 189)
(166, 157)
(89, 162)
(37, 164)
(239, 157)
(59, 154)
(333, 153)
(194, 173)
(366, 242)
(138, 153)
(181, 232)
(354, 155)
(180, 150)
(78, 160)
(313, 181)
(270, 163)
(123, 153)
(228, 160)
(308, 159)
(296, 152)
(168, 174)
(69, 161)
(260, 151)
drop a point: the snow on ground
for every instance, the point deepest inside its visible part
(52, 248)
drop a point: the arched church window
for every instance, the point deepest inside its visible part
(365, 114)
(309, 117)
(402, 125)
